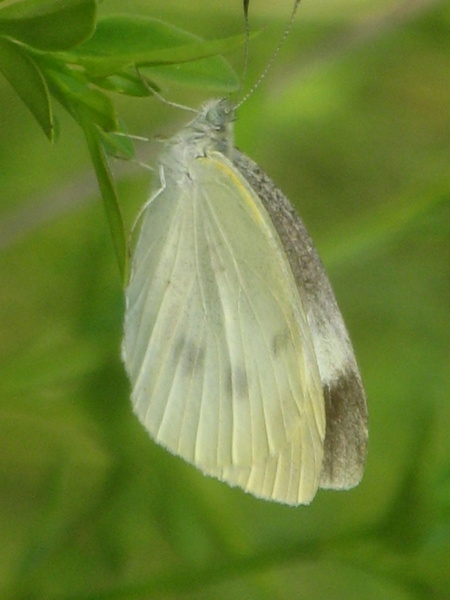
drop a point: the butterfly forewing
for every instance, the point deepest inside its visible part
(345, 403)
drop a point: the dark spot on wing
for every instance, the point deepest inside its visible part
(241, 382)
(178, 349)
(190, 355)
(229, 383)
(346, 432)
(236, 383)
(280, 342)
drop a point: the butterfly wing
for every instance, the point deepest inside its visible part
(346, 410)
(217, 342)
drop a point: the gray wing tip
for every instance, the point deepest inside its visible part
(346, 436)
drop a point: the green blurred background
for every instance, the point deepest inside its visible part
(353, 123)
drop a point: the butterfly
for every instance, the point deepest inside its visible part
(237, 353)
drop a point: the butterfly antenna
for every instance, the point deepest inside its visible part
(247, 45)
(275, 53)
(155, 92)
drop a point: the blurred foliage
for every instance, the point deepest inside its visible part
(352, 122)
(55, 49)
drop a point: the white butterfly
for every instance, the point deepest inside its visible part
(236, 350)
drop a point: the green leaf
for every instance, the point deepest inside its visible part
(74, 93)
(192, 51)
(117, 144)
(124, 35)
(49, 24)
(109, 194)
(120, 42)
(208, 73)
(28, 81)
(126, 83)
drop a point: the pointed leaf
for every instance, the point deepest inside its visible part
(74, 93)
(120, 42)
(208, 73)
(117, 144)
(126, 83)
(49, 24)
(27, 79)
(109, 195)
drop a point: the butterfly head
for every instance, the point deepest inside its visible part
(212, 128)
